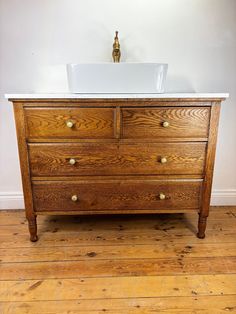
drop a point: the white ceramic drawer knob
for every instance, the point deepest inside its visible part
(163, 160)
(165, 124)
(69, 123)
(74, 198)
(162, 196)
(72, 161)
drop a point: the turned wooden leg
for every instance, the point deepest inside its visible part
(32, 224)
(202, 222)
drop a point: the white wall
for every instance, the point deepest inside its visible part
(196, 37)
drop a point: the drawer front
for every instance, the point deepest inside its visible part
(102, 195)
(84, 123)
(113, 159)
(166, 122)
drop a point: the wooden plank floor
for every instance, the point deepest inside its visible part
(118, 264)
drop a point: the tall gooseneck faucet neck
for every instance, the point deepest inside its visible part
(116, 49)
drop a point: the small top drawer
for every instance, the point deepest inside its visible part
(168, 122)
(84, 123)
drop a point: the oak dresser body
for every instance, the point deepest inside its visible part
(116, 155)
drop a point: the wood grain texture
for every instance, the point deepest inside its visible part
(184, 304)
(118, 264)
(108, 238)
(116, 195)
(121, 177)
(60, 223)
(113, 102)
(24, 161)
(118, 122)
(209, 167)
(116, 159)
(88, 122)
(117, 287)
(183, 122)
(118, 268)
(117, 145)
(162, 250)
(25, 170)
(118, 141)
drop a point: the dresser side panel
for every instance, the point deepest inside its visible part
(210, 158)
(24, 160)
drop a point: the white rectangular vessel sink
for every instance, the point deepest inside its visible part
(117, 77)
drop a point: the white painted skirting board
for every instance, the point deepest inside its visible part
(223, 197)
(11, 200)
(14, 200)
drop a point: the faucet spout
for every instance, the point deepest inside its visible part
(116, 53)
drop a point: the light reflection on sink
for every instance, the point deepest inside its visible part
(117, 77)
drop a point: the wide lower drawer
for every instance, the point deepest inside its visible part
(167, 122)
(84, 123)
(108, 195)
(116, 159)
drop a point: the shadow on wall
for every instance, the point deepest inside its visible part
(178, 84)
(51, 79)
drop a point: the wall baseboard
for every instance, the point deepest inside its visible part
(223, 197)
(11, 200)
(14, 200)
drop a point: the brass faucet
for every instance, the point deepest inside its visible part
(116, 49)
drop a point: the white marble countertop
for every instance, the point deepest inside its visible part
(113, 96)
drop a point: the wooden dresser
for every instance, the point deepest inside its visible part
(121, 155)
